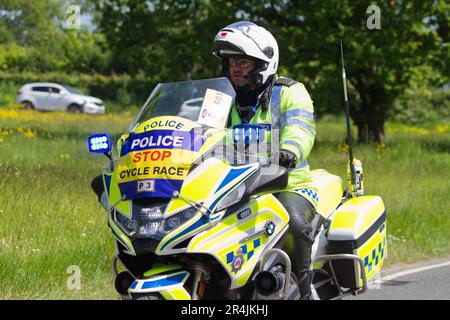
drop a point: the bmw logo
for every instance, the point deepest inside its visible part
(270, 228)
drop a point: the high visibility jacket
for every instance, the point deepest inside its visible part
(290, 109)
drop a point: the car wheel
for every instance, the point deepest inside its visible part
(27, 105)
(74, 108)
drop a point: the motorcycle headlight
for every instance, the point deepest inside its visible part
(177, 220)
(128, 225)
(149, 220)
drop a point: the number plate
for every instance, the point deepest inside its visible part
(146, 185)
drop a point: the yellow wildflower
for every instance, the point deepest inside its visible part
(418, 131)
(25, 132)
(343, 147)
(441, 128)
(29, 134)
(380, 148)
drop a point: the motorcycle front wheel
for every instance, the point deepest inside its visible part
(146, 296)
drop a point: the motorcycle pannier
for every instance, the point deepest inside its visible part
(359, 228)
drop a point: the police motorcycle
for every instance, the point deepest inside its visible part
(192, 220)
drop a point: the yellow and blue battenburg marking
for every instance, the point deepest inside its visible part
(155, 163)
(375, 256)
(310, 194)
(244, 253)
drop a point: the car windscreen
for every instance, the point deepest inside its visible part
(71, 89)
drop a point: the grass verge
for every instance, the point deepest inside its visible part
(50, 219)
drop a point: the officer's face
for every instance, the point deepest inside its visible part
(239, 69)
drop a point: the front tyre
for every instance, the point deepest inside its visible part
(74, 108)
(147, 296)
(27, 105)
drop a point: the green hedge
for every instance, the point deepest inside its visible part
(422, 105)
(416, 106)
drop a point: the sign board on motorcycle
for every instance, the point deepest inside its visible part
(215, 109)
(154, 163)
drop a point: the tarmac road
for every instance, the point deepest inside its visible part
(422, 281)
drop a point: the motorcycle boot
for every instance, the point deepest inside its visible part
(304, 284)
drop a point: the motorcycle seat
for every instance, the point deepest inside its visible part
(266, 179)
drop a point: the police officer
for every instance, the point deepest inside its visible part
(249, 55)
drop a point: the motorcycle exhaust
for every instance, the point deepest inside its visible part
(267, 283)
(123, 282)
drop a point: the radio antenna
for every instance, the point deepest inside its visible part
(349, 131)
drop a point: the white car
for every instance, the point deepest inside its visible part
(55, 97)
(191, 108)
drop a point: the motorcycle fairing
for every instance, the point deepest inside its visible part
(170, 286)
(229, 179)
(242, 241)
(114, 195)
(120, 235)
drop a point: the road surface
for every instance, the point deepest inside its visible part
(422, 281)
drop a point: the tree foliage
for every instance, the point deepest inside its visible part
(33, 37)
(411, 46)
(171, 40)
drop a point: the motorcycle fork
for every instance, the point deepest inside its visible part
(198, 287)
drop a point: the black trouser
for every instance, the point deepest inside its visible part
(301, 213)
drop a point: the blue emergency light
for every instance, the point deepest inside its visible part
(249, 133)
(99, 143)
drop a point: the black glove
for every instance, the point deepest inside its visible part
(287, 159)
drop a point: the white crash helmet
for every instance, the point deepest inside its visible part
(246, 39)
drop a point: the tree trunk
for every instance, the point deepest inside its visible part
(370, 123)
(370, 116)
(376, 131)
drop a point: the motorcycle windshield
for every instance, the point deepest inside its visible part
(206, 102)
(161, 145)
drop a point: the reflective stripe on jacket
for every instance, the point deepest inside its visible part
(291, 111)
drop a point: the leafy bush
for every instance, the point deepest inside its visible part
(11, 56)
(422, 105)
(8, 92)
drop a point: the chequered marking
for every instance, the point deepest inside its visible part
(247, 250)
(374, 257)
(310, 193)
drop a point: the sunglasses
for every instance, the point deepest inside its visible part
(241, 63)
